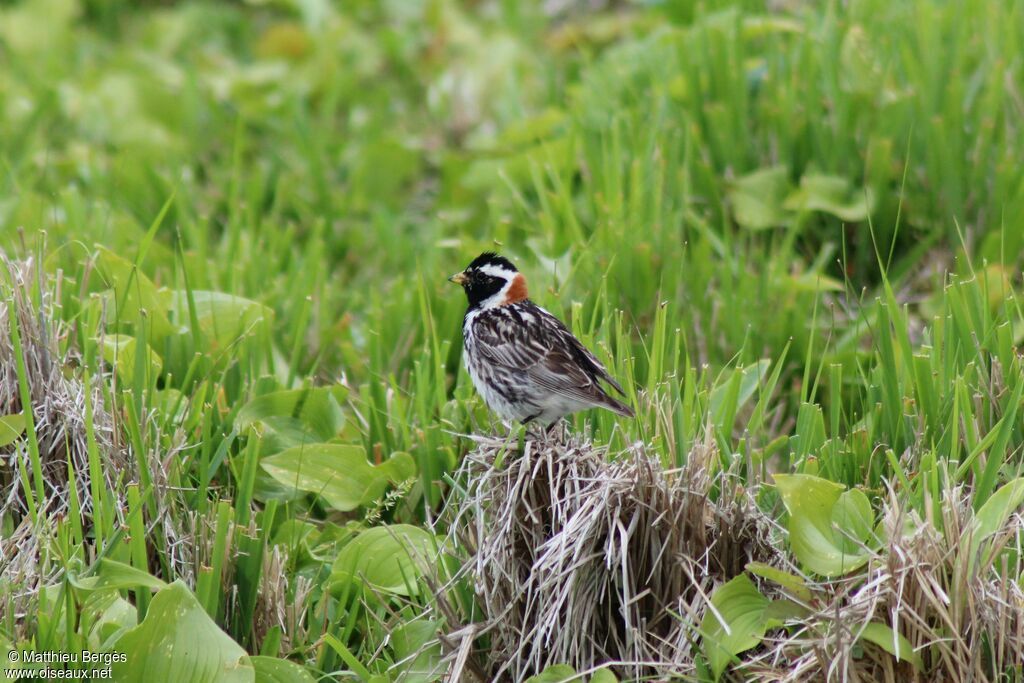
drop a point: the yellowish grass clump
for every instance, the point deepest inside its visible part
(581, 560)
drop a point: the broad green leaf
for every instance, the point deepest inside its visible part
(119, 576)
(273, 670)
(811, 503)
(105, 617)
(415, 645)
(992, 515)
(741, 627)
(50, 597)
(388, 558)
(757, 198)
(178, 641)
(796, 586)
(293, 532)
(222, 318)
(852, 521)
(331, 539)
(556, 673)
(119, 350)
(778, 612)
(11, 428)
(294, 417)
(896, 645)
(133, 292)
(171, 403)
(267, 488)
(604, 676)
(831, 194)
(340, 473)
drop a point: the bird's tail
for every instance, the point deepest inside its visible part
(617, 407)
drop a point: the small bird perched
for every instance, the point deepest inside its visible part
(524, 362)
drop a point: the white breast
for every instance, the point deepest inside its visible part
(485, 377)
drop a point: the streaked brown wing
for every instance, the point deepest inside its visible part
(544, 349)
(583, 355)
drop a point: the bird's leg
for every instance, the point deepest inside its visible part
(529, 422)
(556, 431)
(537, 432)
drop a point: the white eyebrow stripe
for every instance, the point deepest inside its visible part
(497, 271)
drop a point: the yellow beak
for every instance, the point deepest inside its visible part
(458, 278)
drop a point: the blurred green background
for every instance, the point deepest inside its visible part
(658, 147)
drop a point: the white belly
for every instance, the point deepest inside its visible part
(511, 393)
(529, 401)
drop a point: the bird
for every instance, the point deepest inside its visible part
(523, 361)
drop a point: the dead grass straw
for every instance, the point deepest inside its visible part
(581, 559)
(58, 406)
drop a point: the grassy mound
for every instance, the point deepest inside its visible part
(564, 542)
(611, 564)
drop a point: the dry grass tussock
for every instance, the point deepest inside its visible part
(58, 400)
(577, 559)
(58, 406)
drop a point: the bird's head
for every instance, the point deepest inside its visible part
(491, 280)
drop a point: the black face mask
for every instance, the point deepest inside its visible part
(480, 286)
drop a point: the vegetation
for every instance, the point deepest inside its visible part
(792, 230)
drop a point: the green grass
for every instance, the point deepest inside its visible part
(798, 231)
